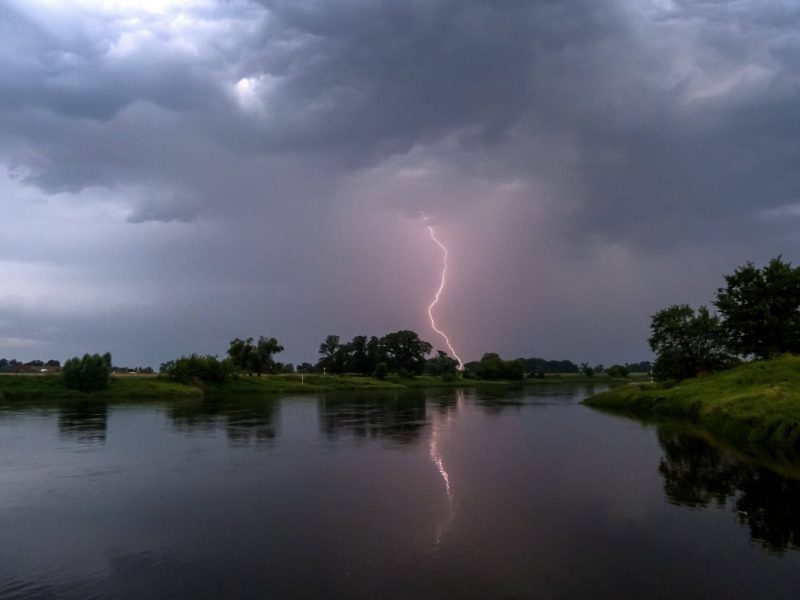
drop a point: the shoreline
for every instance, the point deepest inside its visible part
(755, 404)
(16, 387)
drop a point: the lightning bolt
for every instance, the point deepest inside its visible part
(436, 299)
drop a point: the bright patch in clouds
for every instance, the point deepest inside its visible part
(118, 6)
(222, 168)
(251, 92)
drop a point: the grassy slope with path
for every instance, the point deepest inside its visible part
(758, 402)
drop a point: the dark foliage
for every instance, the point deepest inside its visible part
(87, 374)
(441, 365)
(617, 371)
(194, 369)
(401, 352)
(256, 357)
(761, 309)
(540, 365)
(687, 343)
(491, 367)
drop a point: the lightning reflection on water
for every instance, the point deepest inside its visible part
(440, 425)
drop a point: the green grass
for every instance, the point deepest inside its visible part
(757, 402)
(147, 387)
(34, 387)
(51, 387)
(294, 383)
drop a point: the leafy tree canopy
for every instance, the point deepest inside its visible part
(491, 366)
(87, 374)
(195, 369)
(687, 342)
(398, 352)
(761, 309)
(255, 357)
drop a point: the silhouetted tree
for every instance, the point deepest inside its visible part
(441, 364)
(491, 366)
(405, 352)
(761, 309)
(195, 368)
(617, 371)
(265, 349)
(687, 342)
(240, 352)
(87, 374)
(254, 357)
(328, 351)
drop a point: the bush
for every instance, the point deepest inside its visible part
(195, 368)
(617, 371)
(687, 342)
(381, 370)
(87, 374)
(491, 366)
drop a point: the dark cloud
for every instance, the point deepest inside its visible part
(258, 167)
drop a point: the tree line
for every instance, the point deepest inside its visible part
(403, 353)
(757, 316)
(12, 365)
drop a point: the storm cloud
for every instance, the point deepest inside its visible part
(175, 174)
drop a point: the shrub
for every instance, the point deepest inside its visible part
(381, 370)
(617, 371)
(196, 368)
(491, 366)
(87, 374)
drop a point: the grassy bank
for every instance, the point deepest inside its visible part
(51, 387)
(758, 402)
(147, 387)
(283, 384)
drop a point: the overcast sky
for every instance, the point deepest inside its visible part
(177, 173)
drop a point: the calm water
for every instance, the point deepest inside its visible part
(439, 494)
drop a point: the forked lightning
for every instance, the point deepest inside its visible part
(436, 300)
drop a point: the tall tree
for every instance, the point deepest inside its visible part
(761, 309)
(441, 364)
(87, 374)
(254, 357)
(265, 349)
(375, 355)
(358, 356)
(328, 351)
(405, 351)
(240, 352)
(687, 342)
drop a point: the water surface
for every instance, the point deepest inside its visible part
(514, 494)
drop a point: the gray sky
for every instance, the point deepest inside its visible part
(177, 173)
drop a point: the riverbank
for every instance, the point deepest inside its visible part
(51, 387)
(149, 387)
(755, 403)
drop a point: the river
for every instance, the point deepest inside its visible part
(434, 494)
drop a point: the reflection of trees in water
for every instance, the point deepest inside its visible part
(497, 400)
(245, 420)
(446, 403)
(697, 474)
(397, 418)
(85, 422)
